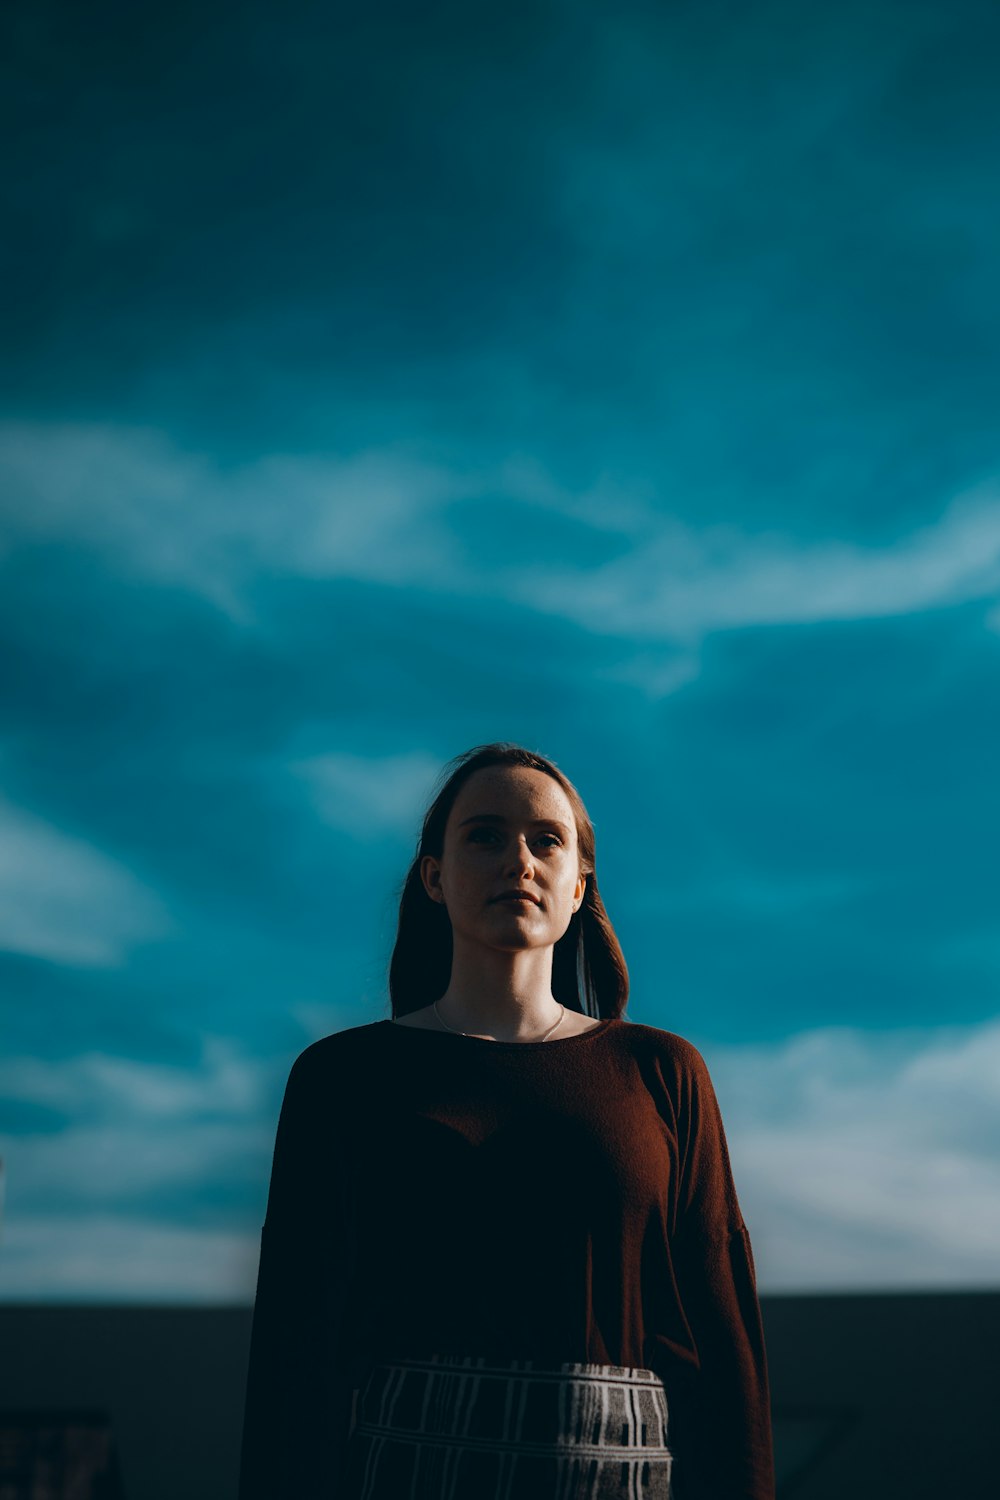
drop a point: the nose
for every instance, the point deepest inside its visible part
(522, 862)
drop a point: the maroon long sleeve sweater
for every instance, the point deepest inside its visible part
(569, 1199)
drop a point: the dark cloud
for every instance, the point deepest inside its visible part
(745, 256)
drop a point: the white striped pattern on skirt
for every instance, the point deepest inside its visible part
(462, 1427)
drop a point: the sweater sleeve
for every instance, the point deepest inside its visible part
(722, 1441)
(298, 1397)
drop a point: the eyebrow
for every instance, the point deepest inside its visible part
(498, 818)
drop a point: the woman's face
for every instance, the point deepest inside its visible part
(511, 827)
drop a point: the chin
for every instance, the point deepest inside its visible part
(515, 935)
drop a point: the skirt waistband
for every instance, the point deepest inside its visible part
(540, 1369)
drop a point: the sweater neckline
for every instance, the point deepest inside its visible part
(485, 1041)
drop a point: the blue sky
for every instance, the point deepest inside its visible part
(375, 385)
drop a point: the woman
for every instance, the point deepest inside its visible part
(503, 1253)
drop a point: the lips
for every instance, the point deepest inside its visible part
(518, 896)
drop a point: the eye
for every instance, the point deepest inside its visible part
(476, 833)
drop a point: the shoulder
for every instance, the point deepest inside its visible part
(672, 1067)
(332, 1059)
(667, 1047)
(343, 1043)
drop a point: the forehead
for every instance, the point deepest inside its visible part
(512, 791)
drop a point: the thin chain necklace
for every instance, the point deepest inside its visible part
(444, 1023)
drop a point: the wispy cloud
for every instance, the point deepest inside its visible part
(98, 1085)
(63, 900)
(140, 1132)
(368, 796)
(92, 1166)
(180, 518)
(102, 1257)
(381, 518)
(868, 1159)
(679, 584)
(78, 1222)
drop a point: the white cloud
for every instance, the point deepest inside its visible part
(679, 584)
(867, 1160)
(179, 518)
(77, 1224)
(367, 797)
(129, 492)
(93, 1166)
(69, 1230)
(138, 1129)
(99, 1085)
(656, 674)
(62, 900)
(111, 1258)
(380, 517)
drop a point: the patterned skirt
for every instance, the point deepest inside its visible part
(459, 1427)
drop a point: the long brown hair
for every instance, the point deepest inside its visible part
(589, 973)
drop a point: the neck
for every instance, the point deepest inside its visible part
(500, 994)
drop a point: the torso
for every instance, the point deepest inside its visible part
(571, 1024)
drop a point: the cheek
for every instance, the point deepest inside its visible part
(469, 879)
